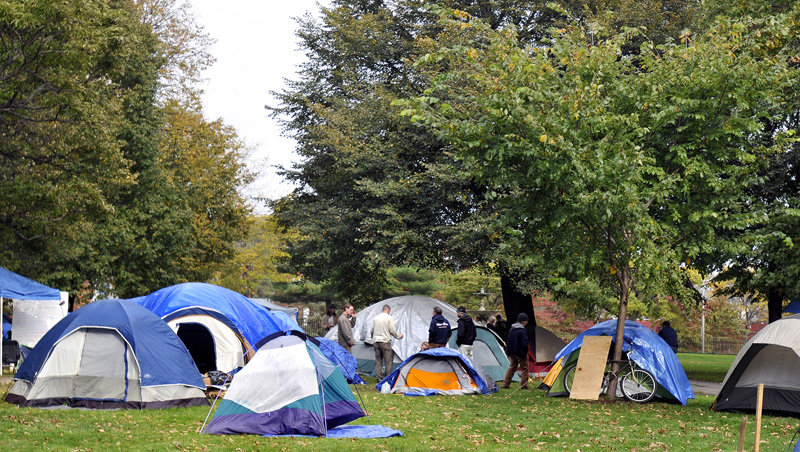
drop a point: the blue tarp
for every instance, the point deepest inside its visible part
(355, 431)
(647, 350)
(253, 321)
(793, 307)
(342, 358)
(19, 287)
(162, 357)
(6, 327)
(482, 378)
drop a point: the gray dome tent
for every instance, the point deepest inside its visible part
(771, 358)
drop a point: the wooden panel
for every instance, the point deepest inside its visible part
(591, 367)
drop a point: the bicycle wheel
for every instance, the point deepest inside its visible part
(639, 386)
(569, 377)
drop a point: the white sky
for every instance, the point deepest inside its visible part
(255, 49)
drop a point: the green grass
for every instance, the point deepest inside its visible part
(505, 421)
(706, 367)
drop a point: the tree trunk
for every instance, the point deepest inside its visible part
(515, 303)
(775, 303)
(619, 336)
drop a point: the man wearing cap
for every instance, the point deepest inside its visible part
(517, 351)
(438, 331)
(382, 331)
(466, 332)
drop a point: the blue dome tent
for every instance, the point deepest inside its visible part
(218, 326)
(439, 371)
(109, 354)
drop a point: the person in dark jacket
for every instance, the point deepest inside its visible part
(517, 351)
(669, 335)
(438, 332)
(501, 327)
(466, 332)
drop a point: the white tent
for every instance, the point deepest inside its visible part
(412, 316)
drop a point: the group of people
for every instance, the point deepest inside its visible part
(439, 331)
(383, 329)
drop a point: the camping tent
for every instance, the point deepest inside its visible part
(487, 351)
(644, 347)
(772, 358)
(439, 371)
(109, 354)
(218, 325)
(547, 347)
(291, 312)
(412, 317)
(289, 387)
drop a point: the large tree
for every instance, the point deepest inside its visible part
(617, 171)
(375, 191)
(112, 179)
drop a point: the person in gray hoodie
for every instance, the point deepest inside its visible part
(517, 351)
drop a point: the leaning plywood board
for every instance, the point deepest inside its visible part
(591, 367)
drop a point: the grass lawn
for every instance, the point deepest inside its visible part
(505, 421)
(706, 367)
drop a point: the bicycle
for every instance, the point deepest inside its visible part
(636, 384)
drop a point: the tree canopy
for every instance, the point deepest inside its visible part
(614, 171)
(98, 187)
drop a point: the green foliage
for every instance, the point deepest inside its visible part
(413, 281)
(614, 171)
(254, 270)
(462, 287)
(108, 184)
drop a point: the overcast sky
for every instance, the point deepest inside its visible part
(256, 49)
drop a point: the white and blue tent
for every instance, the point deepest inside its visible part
(218, 326)
(109, 354)
(439, 371)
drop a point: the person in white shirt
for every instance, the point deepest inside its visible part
(382, 331)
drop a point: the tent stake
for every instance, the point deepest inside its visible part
(742, 432)
(759, 405)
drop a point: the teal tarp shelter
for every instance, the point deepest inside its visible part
(18, 287)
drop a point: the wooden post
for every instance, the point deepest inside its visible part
(742, 431)
(759, 404)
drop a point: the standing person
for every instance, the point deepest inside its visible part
(466, 332)
(491, 325)
(517, 351)
(669, 335)
(346, 323)
(382, 332)
(502, 327)
(438, 331)
(330, 318)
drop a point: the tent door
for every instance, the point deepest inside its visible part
(200, 343)
(105, 367)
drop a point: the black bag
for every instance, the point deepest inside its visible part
(217, 378)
